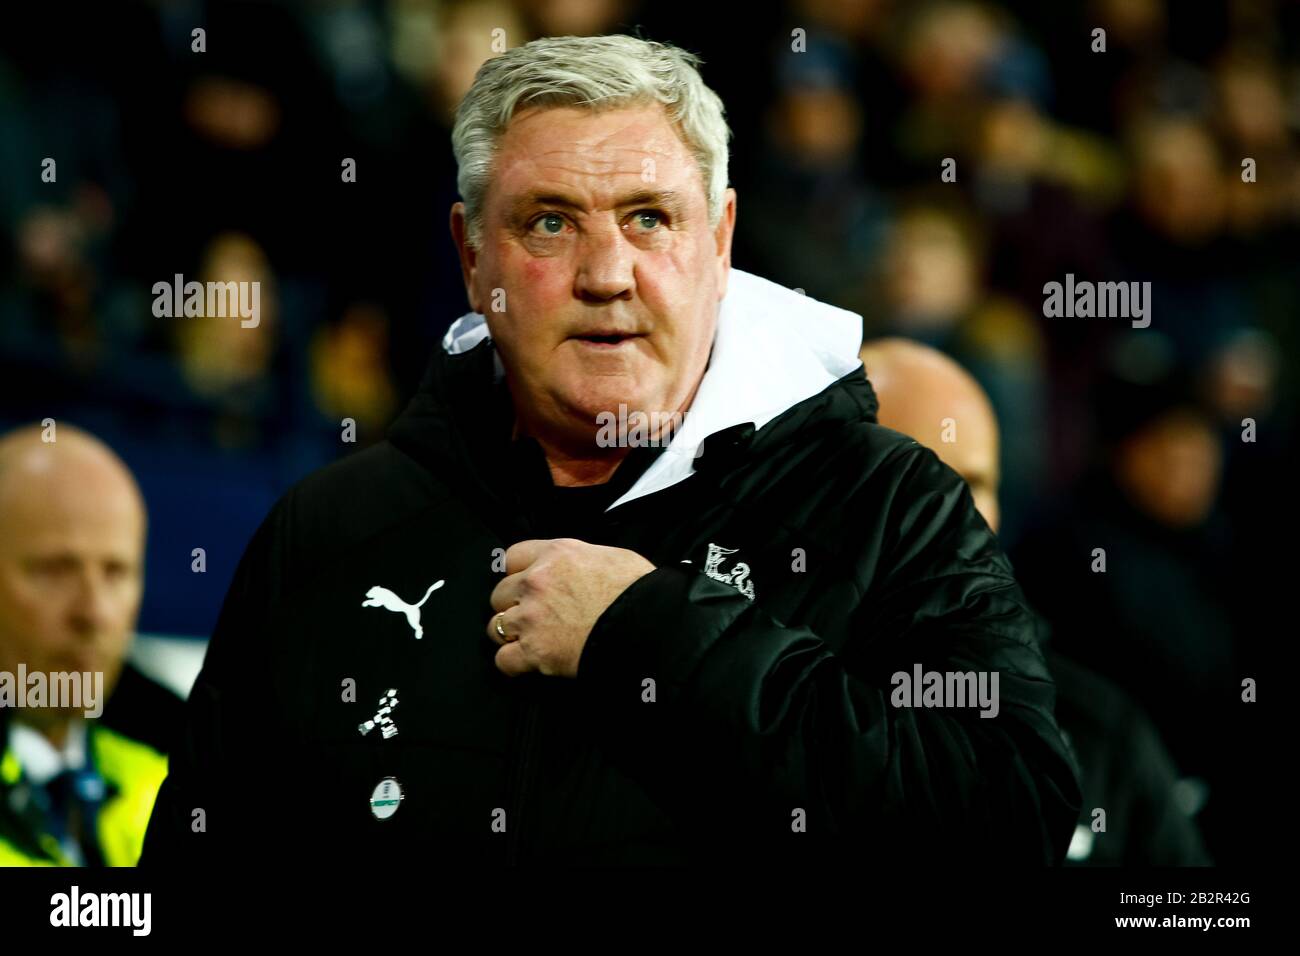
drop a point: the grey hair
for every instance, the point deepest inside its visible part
(595, 73)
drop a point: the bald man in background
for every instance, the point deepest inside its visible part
(1126, 769)
(945, 409)
(72, 790)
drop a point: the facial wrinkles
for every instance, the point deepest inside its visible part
(605, 269)
(601, 156)
(603, 167)
(569, 173)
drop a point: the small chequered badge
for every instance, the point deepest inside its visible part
(382, 719)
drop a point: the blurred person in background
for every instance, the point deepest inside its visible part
(932, 291)
(1135, 571)
(945, 52)
(1250, 118)
(467, 34)
(811, 182)
(74, 790)
(1126, 769)
(350, 377)
(1137, 42)
(928, 396)
(578, 18)
(227, 360)
(66, 187)
(405, 161)
(1176, 234)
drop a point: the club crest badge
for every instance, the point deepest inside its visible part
(737, 576)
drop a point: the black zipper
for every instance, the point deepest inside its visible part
(527, 741)
(502, 499)
(529, 734)
(508, 501)
(514, 822)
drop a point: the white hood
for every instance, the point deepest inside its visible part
(773, 348)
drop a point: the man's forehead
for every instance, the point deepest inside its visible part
(611, 193)
(566, 128)
(552, 147)
(70, 510)
(121, 539)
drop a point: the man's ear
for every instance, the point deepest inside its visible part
(468, 254)
(722, 234)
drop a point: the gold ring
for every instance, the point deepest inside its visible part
(501, 630)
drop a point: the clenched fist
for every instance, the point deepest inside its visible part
(547, 604)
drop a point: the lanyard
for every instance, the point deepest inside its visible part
(85, 794)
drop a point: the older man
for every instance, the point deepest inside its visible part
(635, 576)
(72, 790)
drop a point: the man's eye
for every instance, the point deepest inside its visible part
(51, 567)
(551, 224)
(648, 219)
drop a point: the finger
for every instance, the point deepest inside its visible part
(523, 553)
(512, 633)
(507, 593)
(512, 661)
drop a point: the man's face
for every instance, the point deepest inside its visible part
(971, 449)
(974, 456)
(1171, 469)
(597, 268)
(943, 409)
(71, 573)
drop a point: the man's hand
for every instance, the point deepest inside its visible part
(547, 604)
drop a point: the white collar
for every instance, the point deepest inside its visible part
(773, 348)
(40, 761)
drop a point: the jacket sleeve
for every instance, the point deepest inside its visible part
(761, 730)
(218, 771)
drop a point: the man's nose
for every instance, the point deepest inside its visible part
(605, 266)
(92, 606)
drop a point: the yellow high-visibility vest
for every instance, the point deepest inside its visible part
(134, 772)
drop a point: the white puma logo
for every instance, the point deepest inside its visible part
(382, 597)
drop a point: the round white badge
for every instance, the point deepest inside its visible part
(387, 795)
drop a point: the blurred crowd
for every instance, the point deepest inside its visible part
(929, 165)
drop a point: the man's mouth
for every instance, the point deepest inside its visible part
(610, 339)
(79, 662)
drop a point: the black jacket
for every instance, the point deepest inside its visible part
(771, 735)
(1125, 770)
